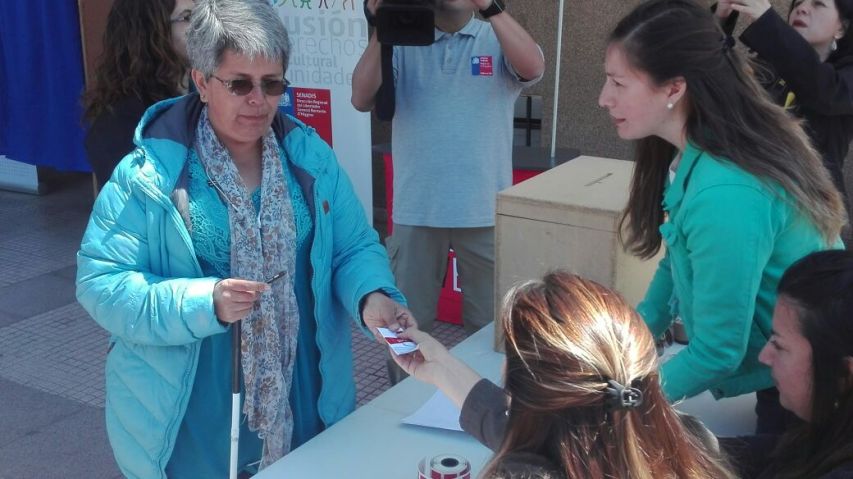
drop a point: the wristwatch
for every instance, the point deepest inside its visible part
(495, 8)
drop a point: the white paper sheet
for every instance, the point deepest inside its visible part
(438, 412)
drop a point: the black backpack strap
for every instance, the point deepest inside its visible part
(385, 97)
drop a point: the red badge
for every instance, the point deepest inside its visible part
(482, 66)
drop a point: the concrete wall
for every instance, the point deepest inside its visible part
(586, 25)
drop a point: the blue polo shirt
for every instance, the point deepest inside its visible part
(453, 128)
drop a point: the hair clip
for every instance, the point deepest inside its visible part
(620, 397)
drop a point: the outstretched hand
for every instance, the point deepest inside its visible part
(380, 311)
(432, 363)
(429, 361)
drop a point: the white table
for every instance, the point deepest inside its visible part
(371, 442)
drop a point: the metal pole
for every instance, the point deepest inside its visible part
(235, 398)
(557, 81)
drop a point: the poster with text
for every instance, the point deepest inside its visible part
(327, 38)
(313, 107)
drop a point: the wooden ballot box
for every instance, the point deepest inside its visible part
(567, 218)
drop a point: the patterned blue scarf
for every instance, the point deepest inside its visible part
(262, 244)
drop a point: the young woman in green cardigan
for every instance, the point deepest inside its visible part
(726, 181)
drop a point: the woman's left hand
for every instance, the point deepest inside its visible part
(751, 8)
(380, 311)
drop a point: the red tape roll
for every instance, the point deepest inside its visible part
(444, 466)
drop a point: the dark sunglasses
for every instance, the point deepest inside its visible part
(244, 86)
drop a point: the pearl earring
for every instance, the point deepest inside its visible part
(833, 46)
(669, 106)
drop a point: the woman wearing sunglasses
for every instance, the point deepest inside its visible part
(144, 61)
(810, 60)
(221, 195)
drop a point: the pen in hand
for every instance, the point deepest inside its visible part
(277, 276)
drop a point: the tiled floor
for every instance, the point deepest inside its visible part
(52, 352)
(60, 352)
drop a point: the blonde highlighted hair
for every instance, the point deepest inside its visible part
(566, 337)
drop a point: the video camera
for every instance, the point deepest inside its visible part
(405, 22)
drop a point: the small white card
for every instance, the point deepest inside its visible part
(399, 345)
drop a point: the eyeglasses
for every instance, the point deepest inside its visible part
(244, 86)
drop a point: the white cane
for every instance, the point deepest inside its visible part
(235, 398)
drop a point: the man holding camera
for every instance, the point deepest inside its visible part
(452, 136)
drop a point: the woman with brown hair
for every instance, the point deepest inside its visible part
(727, 181)
(144, 61)
(582, 395)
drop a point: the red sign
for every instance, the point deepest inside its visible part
(482, 66)
(314, 107)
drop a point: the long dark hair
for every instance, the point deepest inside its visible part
(820, 287)
(138, 59)
(565, 338)
(729, 115)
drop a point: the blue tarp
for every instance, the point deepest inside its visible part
(41, 79)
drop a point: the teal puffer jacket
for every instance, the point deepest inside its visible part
(138, 277)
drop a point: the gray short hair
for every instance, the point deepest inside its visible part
(248, 27)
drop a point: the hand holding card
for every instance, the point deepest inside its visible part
(397, 344)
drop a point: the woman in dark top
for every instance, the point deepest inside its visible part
(811, 356)
(810, 60)
(582, 398)
(144, 61)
